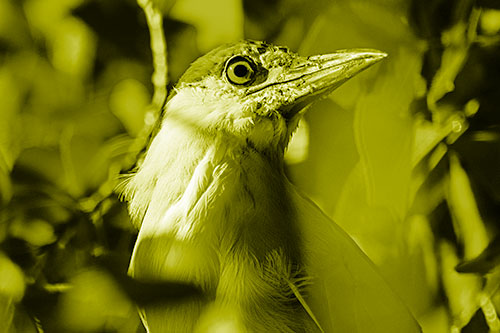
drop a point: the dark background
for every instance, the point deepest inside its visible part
(405, 157)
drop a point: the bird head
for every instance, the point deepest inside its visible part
(243, 96)
(255, 93)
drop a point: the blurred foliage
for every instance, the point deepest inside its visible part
(406, 157)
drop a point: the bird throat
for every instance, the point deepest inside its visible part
(219, 217)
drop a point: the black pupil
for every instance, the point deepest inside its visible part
(240, 70)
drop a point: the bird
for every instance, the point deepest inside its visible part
(214, 208)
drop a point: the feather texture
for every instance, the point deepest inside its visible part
(215, 209)
(231, 232)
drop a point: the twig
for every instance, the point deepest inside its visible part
(159, 51)
(159, 79)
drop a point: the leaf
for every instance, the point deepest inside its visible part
(12, 27)
(73, 47)
(12, 282)
(164, 5)
(376, 197)
(128, 101)
(381, 180)
(217, 21)
(468, 224)
(7, 310)
(36, 232)
(95, 302)
(299, 144)
(383, 129)
(490, 21)
(428, 135)
(331, 153)
(346, 293)
(5, 184)
(11, 104)
(457, 41)
(462, 290)
(358, 24)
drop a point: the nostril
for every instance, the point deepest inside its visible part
(261, 50)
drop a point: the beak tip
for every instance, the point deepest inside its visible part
(376, 55)
(384, 55)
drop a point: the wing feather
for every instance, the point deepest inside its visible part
(346, 294)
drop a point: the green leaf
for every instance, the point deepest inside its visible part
(73, 47)
(36, 232)
(12, 282)
(457, 41)
(468, 224)
(128, 101)
(490, 21)
(217, 21)
(299, 144)
(462, 290)
(94, 303)
(383, 130)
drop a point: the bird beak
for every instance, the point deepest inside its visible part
(316, 76)
(328, 71)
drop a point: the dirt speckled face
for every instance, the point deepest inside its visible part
(253, 87)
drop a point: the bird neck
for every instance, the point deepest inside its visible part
(181, 158)
(216, 212)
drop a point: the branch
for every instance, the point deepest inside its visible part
(159, 51)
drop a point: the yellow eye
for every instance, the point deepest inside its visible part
(240, 70)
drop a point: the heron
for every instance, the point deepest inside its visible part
(215, 209)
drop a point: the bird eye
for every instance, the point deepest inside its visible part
(240, 70)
